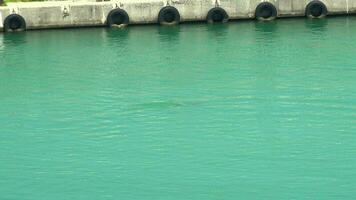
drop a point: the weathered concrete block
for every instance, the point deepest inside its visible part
(336, 6)
(142, 12)
(291, 8)
(45, 17)
(351, 6)
(86, 15)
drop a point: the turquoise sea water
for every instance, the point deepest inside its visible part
(243, 110)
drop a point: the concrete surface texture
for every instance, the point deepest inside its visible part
(78, 13)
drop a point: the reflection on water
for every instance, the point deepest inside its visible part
(217, 31)
(2, 45)
(247, 109)
(316, 25)
(116, 35)
(169, 34)
(266, 26)
(14, 38)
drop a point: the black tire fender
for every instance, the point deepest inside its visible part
(266, 11)
(316, 9)
(217, 14)
(14, 22)
(117, 17)
(168, 15)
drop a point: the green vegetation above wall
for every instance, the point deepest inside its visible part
(4, 2)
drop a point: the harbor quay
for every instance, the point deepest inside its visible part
(63, 14)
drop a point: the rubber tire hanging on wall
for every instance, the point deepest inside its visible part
(266, 11)
(118, 17)
(168, 16)
(217, 14)
(14, 22)
(316, 9)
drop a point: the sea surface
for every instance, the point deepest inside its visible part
(244, 110)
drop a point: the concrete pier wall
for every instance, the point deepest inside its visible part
(58, 14)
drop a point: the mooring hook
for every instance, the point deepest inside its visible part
(217, 3)
(65, 12)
